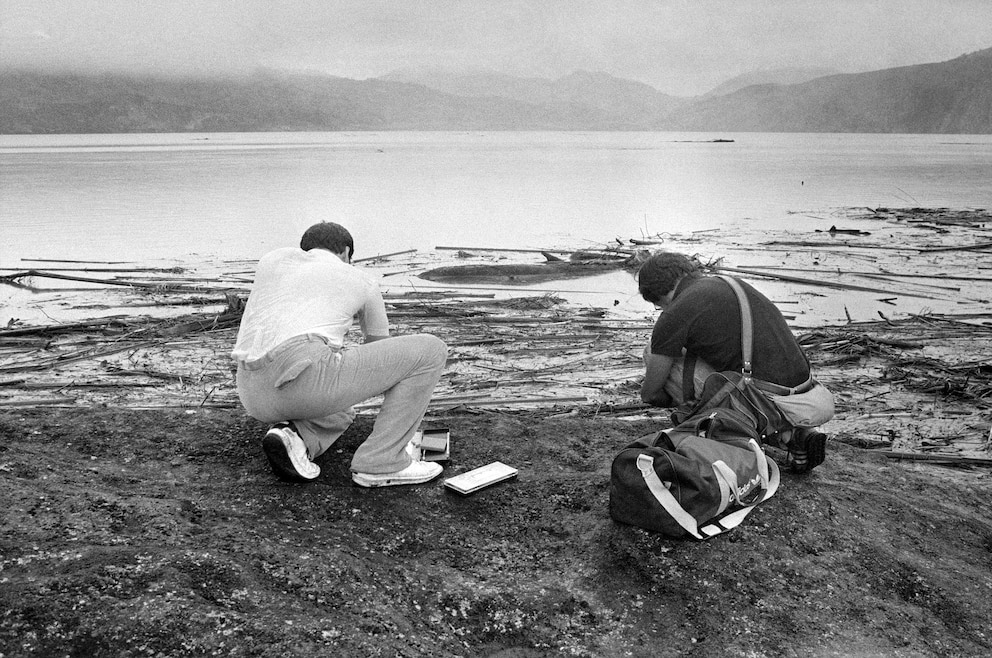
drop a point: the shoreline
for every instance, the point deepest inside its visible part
(911, 382)
(141, 517)
(891, 286)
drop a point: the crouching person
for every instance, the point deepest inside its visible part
(699, 333)
(295, 371)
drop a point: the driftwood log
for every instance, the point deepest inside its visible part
(579, 264)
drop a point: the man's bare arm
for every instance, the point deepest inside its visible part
(656, 369)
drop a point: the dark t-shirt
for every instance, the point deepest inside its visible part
(704, 318)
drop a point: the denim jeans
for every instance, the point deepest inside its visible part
(315, 385)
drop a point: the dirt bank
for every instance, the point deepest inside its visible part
(164, 533)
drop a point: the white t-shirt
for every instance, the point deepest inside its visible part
(307, 292)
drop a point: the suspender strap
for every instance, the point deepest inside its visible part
(747, 328)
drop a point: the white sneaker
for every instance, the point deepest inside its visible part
(288, 454)
(416, 473)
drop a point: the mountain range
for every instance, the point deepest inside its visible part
(954, 96)
(786, 76)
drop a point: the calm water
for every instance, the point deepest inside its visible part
(131, 197)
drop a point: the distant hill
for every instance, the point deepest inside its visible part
(37, 103)
(274, 101)
(947, 97)
(624, 103)
(785, 76)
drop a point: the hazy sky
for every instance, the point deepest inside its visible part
(678, 46)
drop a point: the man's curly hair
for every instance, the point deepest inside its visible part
(330, 236)
(659, 274)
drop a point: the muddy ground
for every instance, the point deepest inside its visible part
(139, 517)
(163, 533)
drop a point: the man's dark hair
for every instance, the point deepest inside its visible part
(330, 236)
(659, 274)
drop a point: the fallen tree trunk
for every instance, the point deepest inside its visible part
(533, 272)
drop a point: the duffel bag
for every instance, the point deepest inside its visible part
(699, 479)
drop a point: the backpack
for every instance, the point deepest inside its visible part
(699, 479)
(737, 391)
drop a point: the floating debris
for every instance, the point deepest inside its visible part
(902, 380)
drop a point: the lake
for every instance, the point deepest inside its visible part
(236, 195)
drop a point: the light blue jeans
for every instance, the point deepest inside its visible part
(315, 385)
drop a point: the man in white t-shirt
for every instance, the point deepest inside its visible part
(294, 369)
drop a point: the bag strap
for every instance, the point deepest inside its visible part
(735, 518)
(689, 376)
(747, 326)
(645, 464)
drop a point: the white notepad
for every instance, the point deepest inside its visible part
(481, 477)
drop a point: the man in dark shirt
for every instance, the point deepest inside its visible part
(699, 333)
